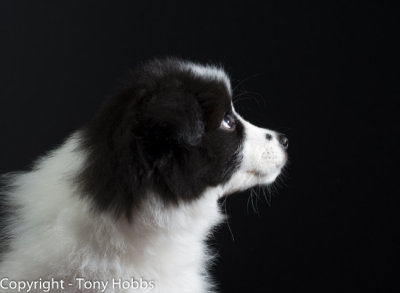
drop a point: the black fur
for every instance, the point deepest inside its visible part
(160, 132)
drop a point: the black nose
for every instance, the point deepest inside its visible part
(283, 140)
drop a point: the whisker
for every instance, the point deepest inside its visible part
(267, 196)
(240, 83)
(252, 203)
(224, 203)
(248, 200)
(244, 96)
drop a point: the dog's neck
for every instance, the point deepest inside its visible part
(167, 241)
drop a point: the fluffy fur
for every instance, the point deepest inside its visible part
(133, 194)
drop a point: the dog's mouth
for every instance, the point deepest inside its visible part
(255, 177)
(267, 176)
(257, 173)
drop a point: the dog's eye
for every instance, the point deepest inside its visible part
(228, 123)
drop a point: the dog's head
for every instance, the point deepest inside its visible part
(173, 130)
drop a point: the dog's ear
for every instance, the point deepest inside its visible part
(173, 117)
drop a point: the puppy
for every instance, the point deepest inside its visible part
(126, 202)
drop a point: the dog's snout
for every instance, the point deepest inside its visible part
(283, 140)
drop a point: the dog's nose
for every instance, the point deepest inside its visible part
(283, 140)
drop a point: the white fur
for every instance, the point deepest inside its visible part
(58, 236)
(210, 72)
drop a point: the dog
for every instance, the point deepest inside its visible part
(126, 203)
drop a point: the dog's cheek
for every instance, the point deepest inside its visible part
(191, 130)
(174, 118)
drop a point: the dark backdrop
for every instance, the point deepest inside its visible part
(324, 73)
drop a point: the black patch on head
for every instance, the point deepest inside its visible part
(159, 133)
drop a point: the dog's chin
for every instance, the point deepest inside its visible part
(244, 180)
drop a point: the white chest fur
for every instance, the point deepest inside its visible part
(57, 235)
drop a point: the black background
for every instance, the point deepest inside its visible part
(325, 73)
